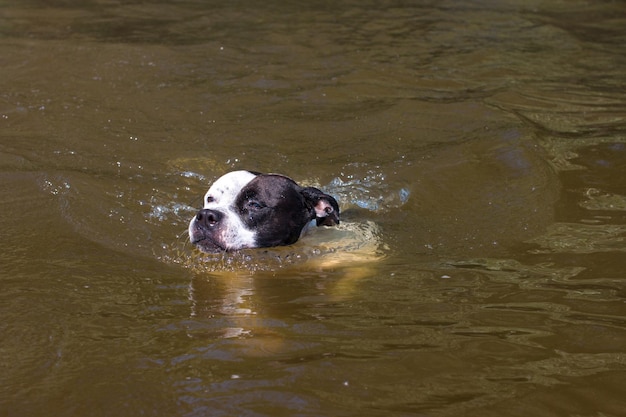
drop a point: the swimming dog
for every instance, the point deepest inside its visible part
(245, 209)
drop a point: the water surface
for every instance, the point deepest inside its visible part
(485, 141)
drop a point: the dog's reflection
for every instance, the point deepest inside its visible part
(230, 296)
(255, 296)
(259, 310)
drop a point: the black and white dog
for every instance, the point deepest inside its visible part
(245, 209)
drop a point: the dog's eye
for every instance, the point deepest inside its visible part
(210, 199)
(255, 205)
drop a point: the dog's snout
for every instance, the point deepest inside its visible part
(207, 217)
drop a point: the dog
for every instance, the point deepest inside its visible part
(246, 209)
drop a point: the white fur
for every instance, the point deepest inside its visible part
(221, 197)
(225, 189)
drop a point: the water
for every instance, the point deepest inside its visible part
(480, 143)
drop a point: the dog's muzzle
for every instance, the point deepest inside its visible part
(208, 218)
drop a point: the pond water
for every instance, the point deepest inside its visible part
(481, 143)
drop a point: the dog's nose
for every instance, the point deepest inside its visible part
(207, 217)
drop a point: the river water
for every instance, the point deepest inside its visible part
(483, 143)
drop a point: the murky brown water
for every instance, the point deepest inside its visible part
(486, 140)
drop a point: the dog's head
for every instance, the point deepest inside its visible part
(244, 209)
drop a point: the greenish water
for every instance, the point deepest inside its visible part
(485, 140)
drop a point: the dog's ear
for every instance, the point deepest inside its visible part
(325, 206)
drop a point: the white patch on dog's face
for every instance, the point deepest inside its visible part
(221, 197)
(225, 189)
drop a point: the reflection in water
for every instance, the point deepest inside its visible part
(477, 149)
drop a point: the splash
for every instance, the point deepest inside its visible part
(370, 190)
(322, 247)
